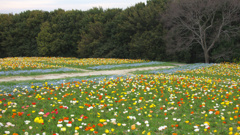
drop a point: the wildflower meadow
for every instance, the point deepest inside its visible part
(23, 63)
(201, 100)
(13, 66)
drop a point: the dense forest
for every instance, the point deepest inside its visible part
(138, 32)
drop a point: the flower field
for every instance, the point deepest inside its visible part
(97, 61)
(22, 63)
(44, 65)
(222, 70)
(184, 69)
(197, 101)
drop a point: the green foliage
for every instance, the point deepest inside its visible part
(60, 34)
(6, 23)
(236, 60)
(19, 33)
(135, 32)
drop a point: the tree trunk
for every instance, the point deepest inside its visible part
(206, 55)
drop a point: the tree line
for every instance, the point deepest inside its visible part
(145, 31)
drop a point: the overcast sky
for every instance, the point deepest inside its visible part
(17, 6)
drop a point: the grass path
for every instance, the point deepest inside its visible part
(86, 73)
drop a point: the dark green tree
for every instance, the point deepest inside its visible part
(44, 40)
(6, 23)
(19, 38)
(60, 34)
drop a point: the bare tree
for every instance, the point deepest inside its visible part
(202, 22)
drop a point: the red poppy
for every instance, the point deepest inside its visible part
(100, 124)
(20, 113)
(65, 118)
(217, 112)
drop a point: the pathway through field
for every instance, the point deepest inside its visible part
(86, 73)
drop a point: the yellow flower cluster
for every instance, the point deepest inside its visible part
(19, 63)
(38, 120)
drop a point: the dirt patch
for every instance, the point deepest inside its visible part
(87, 73)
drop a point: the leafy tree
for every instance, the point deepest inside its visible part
(147, 45)
(59, 35)
(96, 36)
(13, 42)
(44, 40)
(6, 22)
(145, 31)
(91, 33)
(19, 35)
(33, 23)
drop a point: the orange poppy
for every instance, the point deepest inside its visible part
(20, 113)
(133, 127)
(100, 124)
(65, 118)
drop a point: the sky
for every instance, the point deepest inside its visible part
(17, 6)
